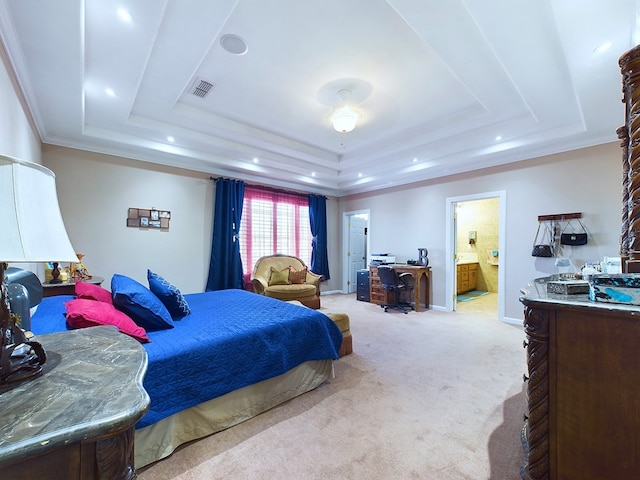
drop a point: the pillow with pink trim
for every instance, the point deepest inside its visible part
(82, 313)
(91, 291)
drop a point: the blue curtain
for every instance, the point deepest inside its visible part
(318, 220)
(225, 266)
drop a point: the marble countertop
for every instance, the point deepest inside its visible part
(91, 385)
(536, 293)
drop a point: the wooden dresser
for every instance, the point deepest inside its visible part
(77, 419)
(583, 388)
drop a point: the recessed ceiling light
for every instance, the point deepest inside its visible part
(171, 139)
(603, 47)
(313, 174)
(498, 138)
(415, 160)
(124, 15)
(110, 92)
(256, 160)
(359, 175)
(233, 44)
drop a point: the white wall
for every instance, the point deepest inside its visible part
(587, 181)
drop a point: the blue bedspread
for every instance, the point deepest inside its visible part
(231, 339)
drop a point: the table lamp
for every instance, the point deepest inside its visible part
(31, 230)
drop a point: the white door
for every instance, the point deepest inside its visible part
(454, 223)
(356, 253)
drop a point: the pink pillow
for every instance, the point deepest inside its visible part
(82, 313)
(91, 291)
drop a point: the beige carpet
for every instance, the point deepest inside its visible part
(428, 395)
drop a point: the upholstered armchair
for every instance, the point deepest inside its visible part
(286, 277)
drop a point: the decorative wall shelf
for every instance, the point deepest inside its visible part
(558, 217)
(148, 218)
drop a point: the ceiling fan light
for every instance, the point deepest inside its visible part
(344, 119)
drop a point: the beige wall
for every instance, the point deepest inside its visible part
(96, 190)
(95, 193)
(17, 136)
(587, 180)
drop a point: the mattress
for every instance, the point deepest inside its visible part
(160, 439)
(231, 339)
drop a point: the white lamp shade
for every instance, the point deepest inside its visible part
(344, 119)
(31, 226)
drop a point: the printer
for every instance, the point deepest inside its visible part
(382, 259)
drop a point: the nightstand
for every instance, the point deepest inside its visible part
(66, 288)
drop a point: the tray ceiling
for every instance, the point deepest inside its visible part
(441, 87)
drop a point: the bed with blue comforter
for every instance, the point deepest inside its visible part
(232, 339)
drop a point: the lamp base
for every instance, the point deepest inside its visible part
(20, 362)
(55, 273)
(20, 359)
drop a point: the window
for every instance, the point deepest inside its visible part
(274, 222)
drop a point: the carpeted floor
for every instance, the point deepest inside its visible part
(427, 395)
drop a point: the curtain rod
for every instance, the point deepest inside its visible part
(272, 189)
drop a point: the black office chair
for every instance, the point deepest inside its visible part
(398, 286)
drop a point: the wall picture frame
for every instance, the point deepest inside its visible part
(148, 218)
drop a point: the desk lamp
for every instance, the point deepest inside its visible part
(31, 230)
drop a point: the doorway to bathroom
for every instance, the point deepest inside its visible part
(475, 244)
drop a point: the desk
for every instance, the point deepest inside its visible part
(68, 287)
(77, 419)
(421, 288)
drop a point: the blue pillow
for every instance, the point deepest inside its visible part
(169, 295)
(139, 303)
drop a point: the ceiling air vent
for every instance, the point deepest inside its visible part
(201, 88)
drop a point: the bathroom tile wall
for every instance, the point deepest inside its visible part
(482, 217)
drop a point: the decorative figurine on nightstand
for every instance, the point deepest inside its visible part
(78, 270)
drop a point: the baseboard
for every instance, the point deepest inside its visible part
(333, 292)
(513, 321)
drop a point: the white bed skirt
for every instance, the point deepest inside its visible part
(159, 440)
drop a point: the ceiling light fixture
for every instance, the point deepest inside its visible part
(344, 118)
(124, 15)
(602, 47)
